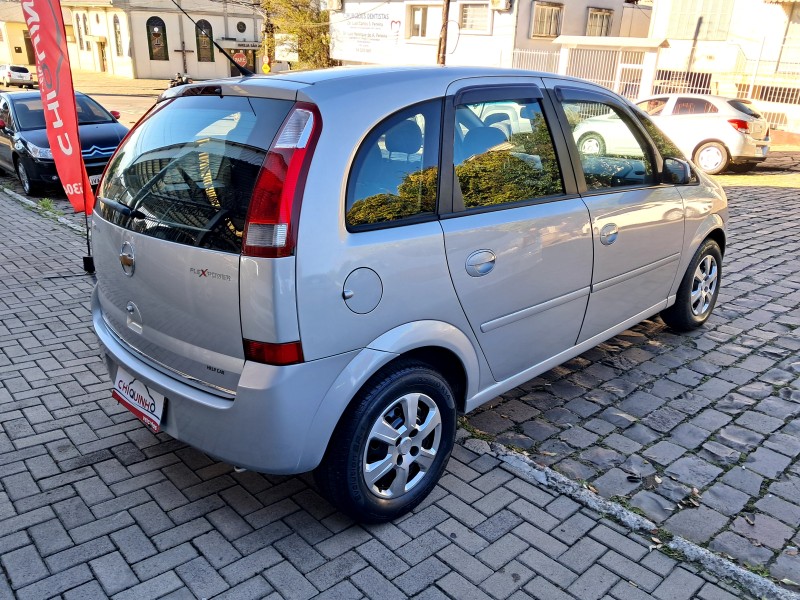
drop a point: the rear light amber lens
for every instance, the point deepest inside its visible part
(740, 125)
(273, 354)
(271, 227)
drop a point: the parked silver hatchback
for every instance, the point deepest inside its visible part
(322, 270)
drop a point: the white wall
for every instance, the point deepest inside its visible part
(379, 33)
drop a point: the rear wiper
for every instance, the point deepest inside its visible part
(123, 209)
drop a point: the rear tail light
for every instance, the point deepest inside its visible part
(740, 125)
(271, 227)
(273, 354)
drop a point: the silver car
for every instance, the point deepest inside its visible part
(718, 133)
(17, 75)
(322, 270)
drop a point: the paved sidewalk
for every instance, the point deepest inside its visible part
(93, 505)
(701, 431)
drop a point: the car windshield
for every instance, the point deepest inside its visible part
(19, 69)
(30, 114)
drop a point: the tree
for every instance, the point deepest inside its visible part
(307, 26)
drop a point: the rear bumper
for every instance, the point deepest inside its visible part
(749, 150)
(264, 428)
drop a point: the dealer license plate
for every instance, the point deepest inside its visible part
(146, 404)
(94, 179)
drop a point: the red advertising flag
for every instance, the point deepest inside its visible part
(46, 27)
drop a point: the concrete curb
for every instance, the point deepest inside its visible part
(723, 568)
(31, 204)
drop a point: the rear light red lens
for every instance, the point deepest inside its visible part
(273, 354)
(271, 227)
(740, 125)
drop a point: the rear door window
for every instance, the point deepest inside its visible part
(503, 153)
(693, 106)
(188, 171)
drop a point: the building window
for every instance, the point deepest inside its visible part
(705, 19)
(474, 18)
(157, 39)
(546, 19)
(599, 22)
(423, 22)
(80, 31)
(86, 32)
(117, 36)
(204, 34)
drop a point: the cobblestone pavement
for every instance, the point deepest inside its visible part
(699, 432)
(93, 505)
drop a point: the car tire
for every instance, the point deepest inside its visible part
(378, 466)
(712, 158)
(592, 143)
(30, 188)
(742, 167)
(697, 294)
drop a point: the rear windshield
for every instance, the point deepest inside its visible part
(30, 114)
(19, 69)
(745, 107)
(188, 170)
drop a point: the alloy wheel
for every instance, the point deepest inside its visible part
(402, 446)
(704, 285)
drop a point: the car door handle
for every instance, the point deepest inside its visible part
(608, 234)
(480, 263)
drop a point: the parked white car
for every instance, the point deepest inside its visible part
(16, 75)
(717, 133)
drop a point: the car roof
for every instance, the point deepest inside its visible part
(688, 95)
(317, 84)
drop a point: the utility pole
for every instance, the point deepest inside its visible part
(443, 33)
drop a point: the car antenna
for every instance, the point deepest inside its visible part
(243, 71)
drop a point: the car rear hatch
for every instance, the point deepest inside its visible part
(757, 125)
(168, 236)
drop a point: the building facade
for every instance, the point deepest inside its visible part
(146, 39)
(479, 32)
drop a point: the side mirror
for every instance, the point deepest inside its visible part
(115, 113)
(676, 171)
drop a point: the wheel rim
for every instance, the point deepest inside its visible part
(590, 146)
(710, 158)
(23, 178)
(402, 446)
(704, 285)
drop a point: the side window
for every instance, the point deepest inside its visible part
(5, 115)
(395, 172)
(653, 107)
(612, 151)
(503, 153)
(693, 106)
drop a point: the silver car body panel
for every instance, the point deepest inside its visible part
(268, 299)
(638, 268)
(280, 419)
(544, 267)
(179, 308)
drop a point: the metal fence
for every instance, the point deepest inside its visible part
(773, 84)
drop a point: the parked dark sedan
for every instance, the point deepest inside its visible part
(24, 148)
